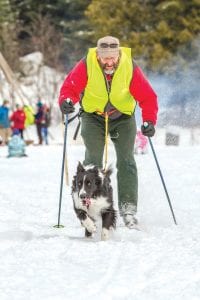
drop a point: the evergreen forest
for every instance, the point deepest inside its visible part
(160, 33)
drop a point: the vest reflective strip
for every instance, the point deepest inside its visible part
(96, 95)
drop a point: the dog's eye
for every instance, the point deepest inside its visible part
(80, 183)
(88, 183)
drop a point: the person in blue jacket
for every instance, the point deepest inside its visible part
(5, 131)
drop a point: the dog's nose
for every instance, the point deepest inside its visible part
(83, 196)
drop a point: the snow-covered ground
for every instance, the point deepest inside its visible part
(38, 261)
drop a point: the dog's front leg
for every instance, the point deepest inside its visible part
(86, 221)
(108, 222)
(87, 233)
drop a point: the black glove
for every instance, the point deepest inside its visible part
(67, 106)
(148, 129)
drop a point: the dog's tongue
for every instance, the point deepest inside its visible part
(87, 201)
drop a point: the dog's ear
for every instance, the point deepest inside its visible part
(108, 172)
(96, 169)
(80, 167)
(107, 180)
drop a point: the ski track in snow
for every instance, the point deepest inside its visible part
(38, 261)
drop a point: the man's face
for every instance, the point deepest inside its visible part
(109, 64)
(6, 104)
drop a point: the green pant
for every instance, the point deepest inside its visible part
(122, 132)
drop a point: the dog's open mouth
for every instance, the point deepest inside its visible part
(86, 202)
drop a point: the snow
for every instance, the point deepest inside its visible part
(38, 261)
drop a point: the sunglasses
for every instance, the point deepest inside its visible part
(105, 45)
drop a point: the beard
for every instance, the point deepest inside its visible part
(109, 71)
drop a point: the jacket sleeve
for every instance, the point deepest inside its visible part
(144, 94)
(12, 117)
(74, 84)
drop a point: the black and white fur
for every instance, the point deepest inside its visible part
(93, 198)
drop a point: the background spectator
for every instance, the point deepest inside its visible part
(141, 143)
(18, 120)
(5, 131)
(39, 121)
(29, 113)
(16, 145)
(46, 123)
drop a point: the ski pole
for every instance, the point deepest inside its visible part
(62, 172)
(162, 179)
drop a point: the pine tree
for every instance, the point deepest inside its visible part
(68, 19)
(155, 30)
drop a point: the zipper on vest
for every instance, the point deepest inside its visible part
(108, 87)
(108, 84)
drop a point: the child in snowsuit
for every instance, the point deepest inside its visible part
(16, 145)
(140, 143)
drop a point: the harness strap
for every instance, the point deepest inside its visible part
(106, 141)
(77, 130)
(106, 116)
(73, 118)
(78, 125)
(98, 112)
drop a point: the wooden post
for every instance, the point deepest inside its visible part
(10, 77)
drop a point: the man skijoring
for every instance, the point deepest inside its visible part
(108, 84)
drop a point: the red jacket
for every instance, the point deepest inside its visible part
(18, 119)
(140, 89)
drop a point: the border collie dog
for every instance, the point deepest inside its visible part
(93, 198)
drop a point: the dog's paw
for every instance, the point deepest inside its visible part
(104, 234)
(89, 225)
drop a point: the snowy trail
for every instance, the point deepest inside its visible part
(38, 261)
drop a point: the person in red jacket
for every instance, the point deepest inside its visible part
(18, 120)
(108, 84)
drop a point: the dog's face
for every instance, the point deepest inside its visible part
(90, 182)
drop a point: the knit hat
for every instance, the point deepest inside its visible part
(108, 46)
(5, 102)
(39, 103)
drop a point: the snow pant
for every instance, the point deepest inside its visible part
(5, 133)
(39, 133)
(21, 131)
(45, 134)
(122, 132)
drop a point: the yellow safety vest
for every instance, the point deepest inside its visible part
(96, 95)
(29, 113)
